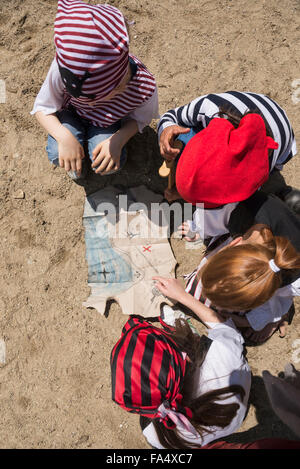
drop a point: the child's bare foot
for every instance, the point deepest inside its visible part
(172, 194)
(283, 326)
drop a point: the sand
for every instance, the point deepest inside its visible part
(55, 382)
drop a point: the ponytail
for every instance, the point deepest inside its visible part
(207, 413)
(245, 276)
(286, 256)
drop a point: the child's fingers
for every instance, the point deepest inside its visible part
(103, 165)
(167, 150)
(162, 289)
(82, 155)
(67, 165)
(162, 280)
(184, 130)
(183, 229)
(78, 166)
(109, 167)
(158, 277)
(97, 160)
(73, 165)
(96, 150)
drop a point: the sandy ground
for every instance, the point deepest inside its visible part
(55, 384)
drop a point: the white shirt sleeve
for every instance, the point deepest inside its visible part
(144, 113)
(227, 333)
(291, 290)
(51, 95)
(274, 308)
(211, 223)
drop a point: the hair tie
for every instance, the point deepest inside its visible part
(273, 266)
(179, 420)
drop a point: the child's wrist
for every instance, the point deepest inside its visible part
(63, 134)
(128, 129)
(119, 139)
(183, 298)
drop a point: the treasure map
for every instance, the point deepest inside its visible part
(126, 235)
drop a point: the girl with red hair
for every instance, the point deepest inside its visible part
(250, 277)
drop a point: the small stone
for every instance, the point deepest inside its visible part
(19, 194)
(83, 439)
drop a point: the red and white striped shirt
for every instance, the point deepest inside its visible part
(52, 97)
(104, 113)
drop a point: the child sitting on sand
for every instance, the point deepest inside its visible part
(252, 278)
(188, 390)
(96, 93)
(232, 142)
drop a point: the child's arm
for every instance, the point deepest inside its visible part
(70, 151)
(172, 288)
(106, 155)
(177, 121)
(49, 100)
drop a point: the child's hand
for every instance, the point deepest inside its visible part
(189, 235)
(166, 141)
(70, 153)
(106, 155)
(170, 287)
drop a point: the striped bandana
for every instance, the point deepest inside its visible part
(93, 57)
(147, 370)
(91, 47)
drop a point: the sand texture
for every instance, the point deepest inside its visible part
(55, 383)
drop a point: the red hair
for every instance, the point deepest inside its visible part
(240, 278)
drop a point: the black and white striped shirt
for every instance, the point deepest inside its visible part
(202, 110)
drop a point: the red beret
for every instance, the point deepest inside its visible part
(221, 164)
